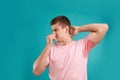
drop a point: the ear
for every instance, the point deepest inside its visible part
(67, 29)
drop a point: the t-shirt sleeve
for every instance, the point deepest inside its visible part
(88, 44)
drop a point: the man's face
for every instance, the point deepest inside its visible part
(61, 33)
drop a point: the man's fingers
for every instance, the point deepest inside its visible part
(53, 36)
(50, 39)
(71, 30)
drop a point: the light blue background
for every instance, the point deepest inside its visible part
(24, 25)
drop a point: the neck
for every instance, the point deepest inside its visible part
(67, 41)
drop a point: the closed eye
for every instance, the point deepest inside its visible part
(54, 30)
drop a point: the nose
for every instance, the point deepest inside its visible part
(54, 32)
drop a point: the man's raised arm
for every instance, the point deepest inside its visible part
(98, 31)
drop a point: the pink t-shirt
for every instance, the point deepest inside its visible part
(70, 62)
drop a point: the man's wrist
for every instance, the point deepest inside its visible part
(78, 28)
(48, 45)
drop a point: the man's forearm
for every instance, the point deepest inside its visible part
(90, 27)
(40, 64)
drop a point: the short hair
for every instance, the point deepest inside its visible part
(63, 20)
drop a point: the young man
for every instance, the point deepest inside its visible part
(67, 59)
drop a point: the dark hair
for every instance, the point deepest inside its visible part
(63, 20)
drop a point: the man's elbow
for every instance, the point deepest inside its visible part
(37, 72)
(105, 26)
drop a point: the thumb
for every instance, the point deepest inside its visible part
(71, 30)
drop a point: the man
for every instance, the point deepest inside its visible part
(67, 59)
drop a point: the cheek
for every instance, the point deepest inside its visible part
(62, 35)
